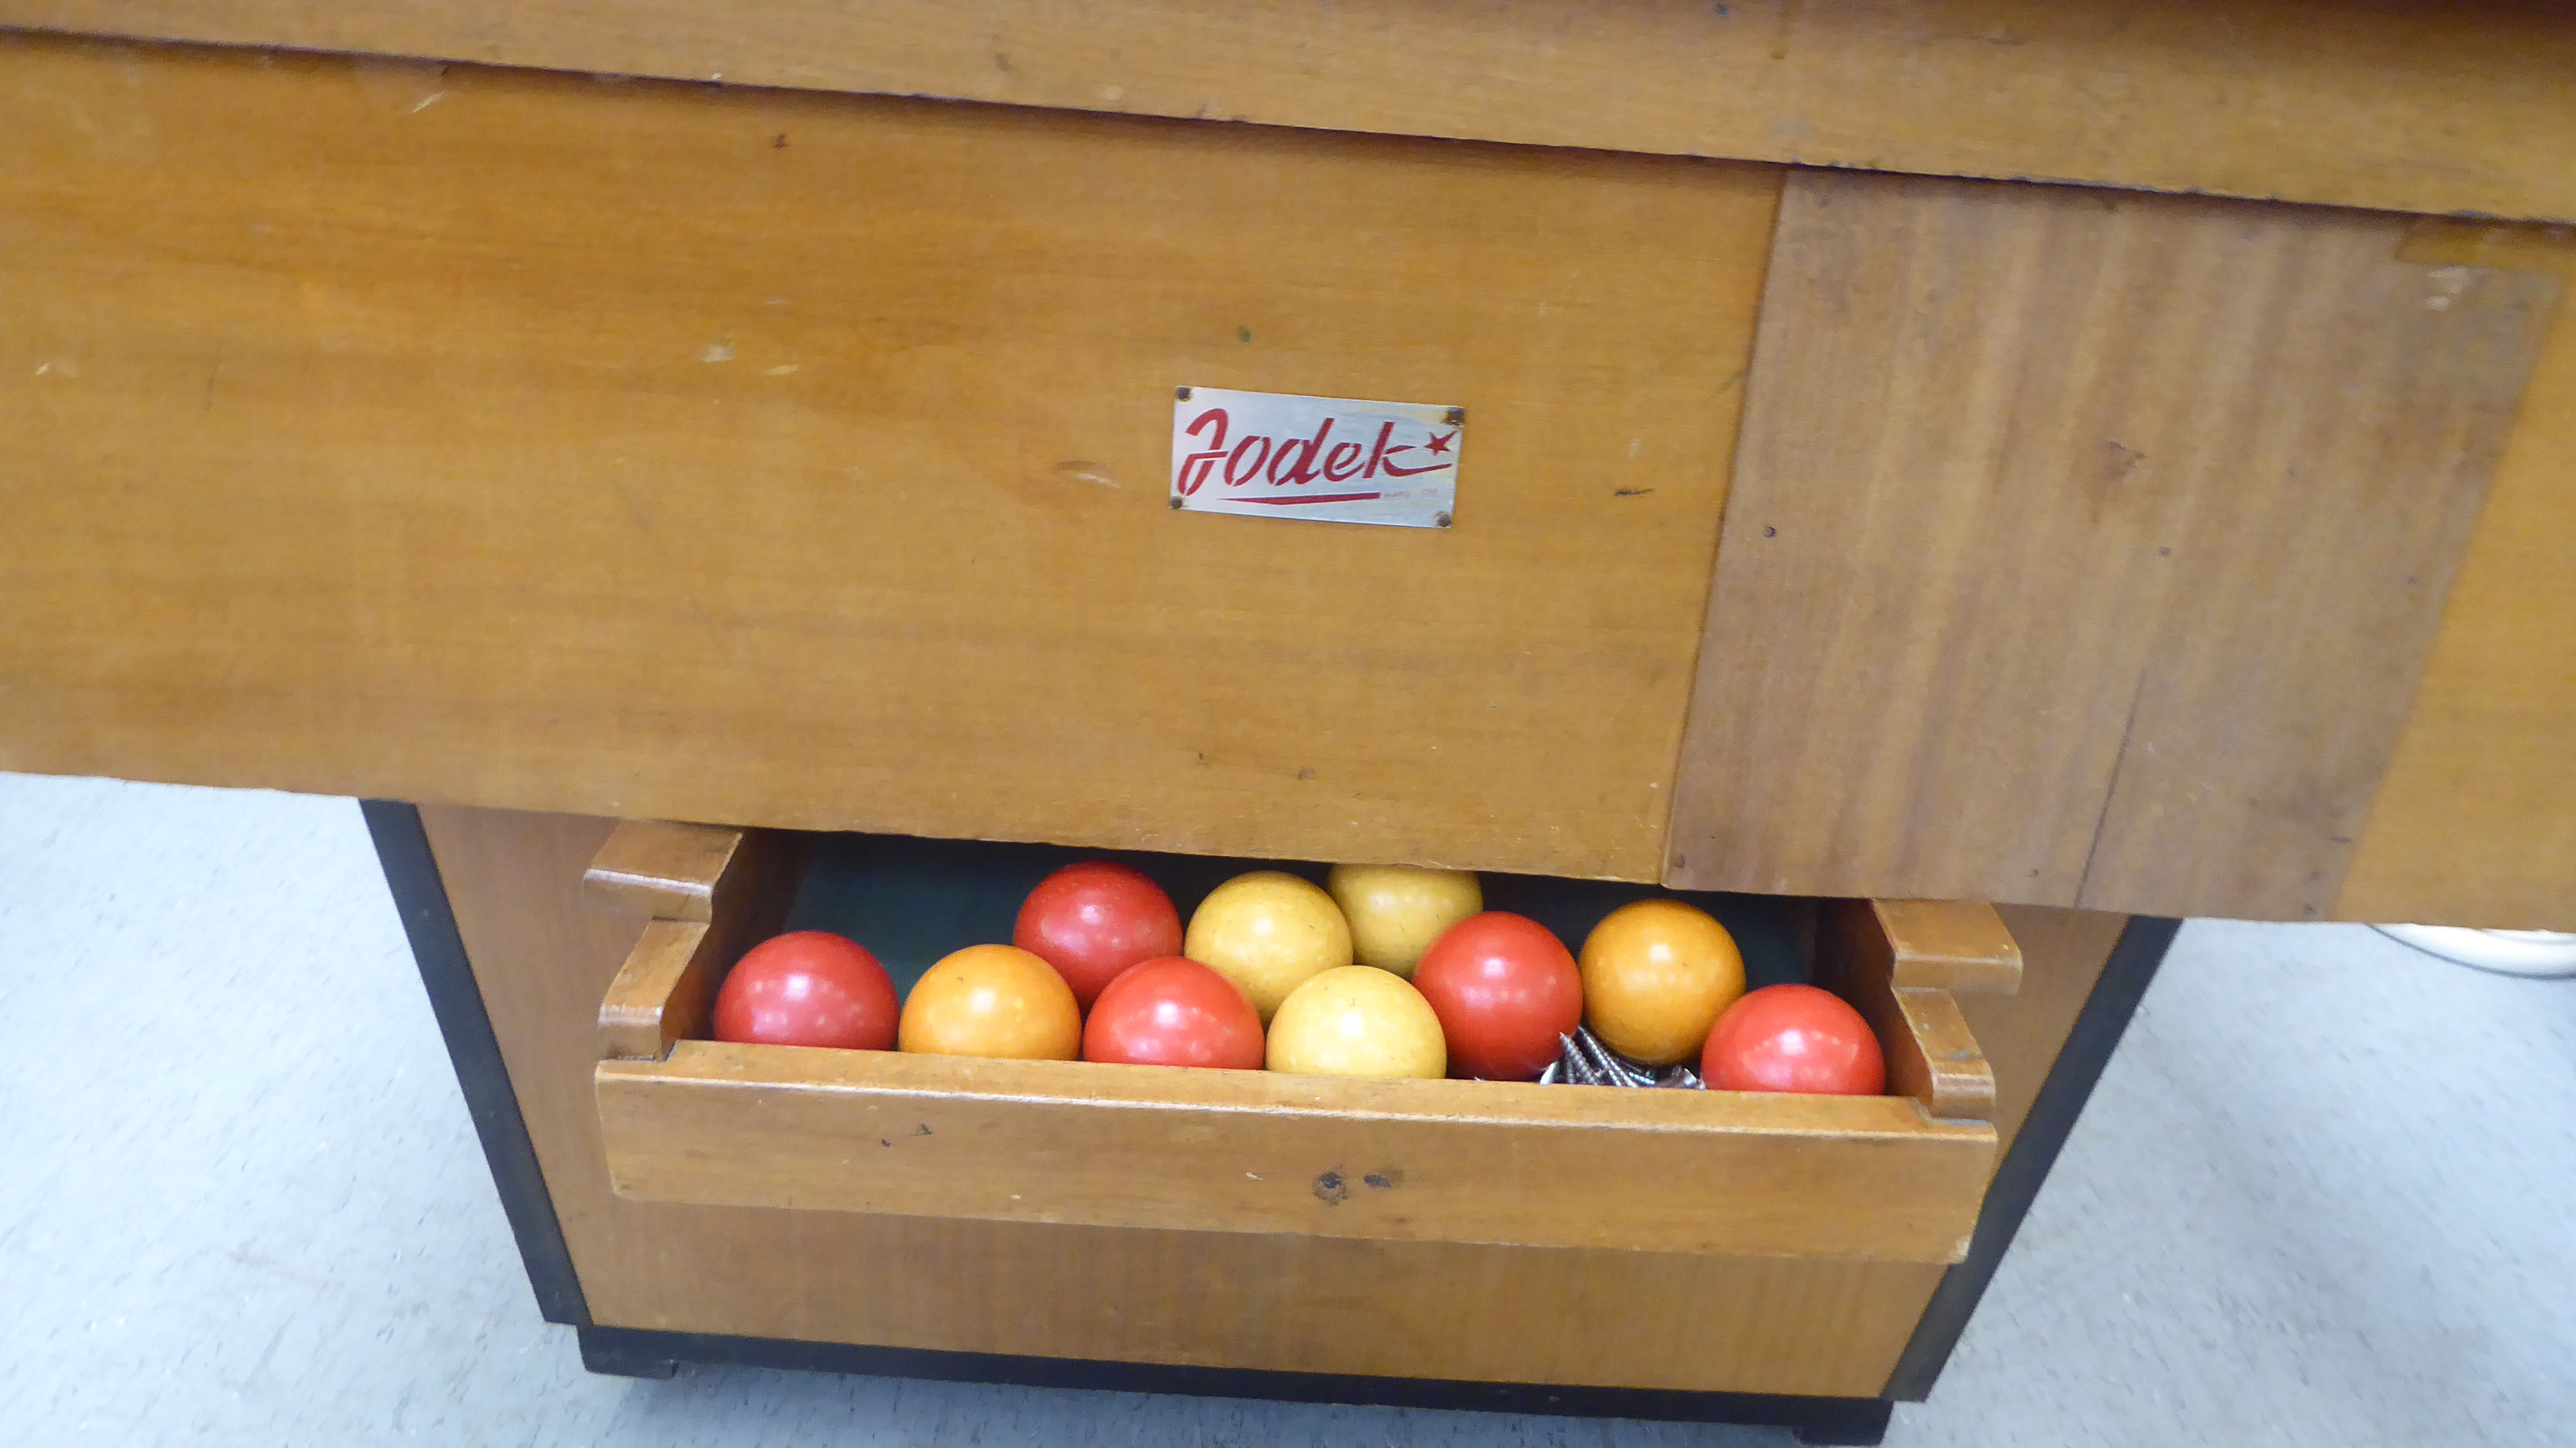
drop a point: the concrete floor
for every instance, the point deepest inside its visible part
(2320, 1198)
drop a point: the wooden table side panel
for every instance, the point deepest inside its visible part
(543, 959)
(2085, 548)
(2431, 108)
(2063, 952)
(515, 439)
(2475, 822)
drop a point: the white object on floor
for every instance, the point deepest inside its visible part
(2542, 953)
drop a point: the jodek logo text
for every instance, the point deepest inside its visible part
(1301, 461)
(1322, 457)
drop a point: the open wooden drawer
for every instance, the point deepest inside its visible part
(687, 1119)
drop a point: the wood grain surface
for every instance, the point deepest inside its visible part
(1317, 1304)
(2020, 1034)
(2467, 107)
(664, 992)
(654, 451)
(1258, 1151)
(1930, 1053)
(663, 869)
(1271, 1153)
(1895, 1177)
(2476, 820)
(741, 881)
(1953, 945)
(2085, 549)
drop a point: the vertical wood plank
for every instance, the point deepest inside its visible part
(2084, 548)
(2475, 823)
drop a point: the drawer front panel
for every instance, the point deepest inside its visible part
(1475, 1162)
(687, 1119)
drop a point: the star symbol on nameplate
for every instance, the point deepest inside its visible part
(1439, 442)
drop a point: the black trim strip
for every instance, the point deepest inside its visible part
(402, 847)
(640, 1352)
(2098, 1028)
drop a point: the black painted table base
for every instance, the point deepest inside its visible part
(634, 1352)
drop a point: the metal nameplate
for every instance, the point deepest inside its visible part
(1337, 459)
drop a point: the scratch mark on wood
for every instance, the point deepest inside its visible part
(2119, 761)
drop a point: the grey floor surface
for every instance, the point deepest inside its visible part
(2322, 1197)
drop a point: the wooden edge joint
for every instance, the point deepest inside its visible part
(663, 993)
(1955, 945)
(712, 893)
(1944, 1068)
(1898, 962)
(665, 870)
(2466, 241)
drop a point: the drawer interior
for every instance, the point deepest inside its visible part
(688, 1119)
(914, 900)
